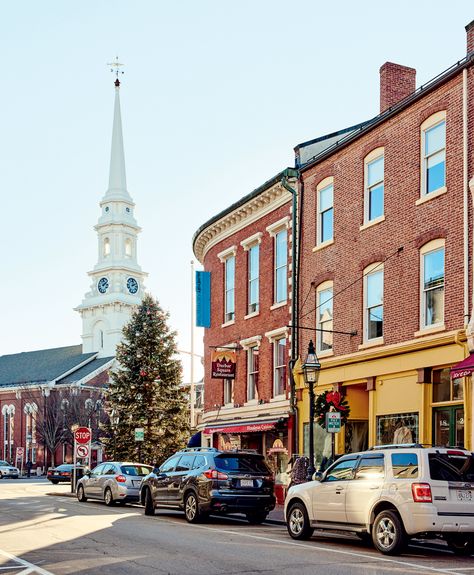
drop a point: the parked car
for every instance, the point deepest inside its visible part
(63, 473)
(205, 480)
(389, 494)
(112, 482)
(8, 470)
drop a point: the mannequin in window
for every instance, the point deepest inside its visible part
(402, 433)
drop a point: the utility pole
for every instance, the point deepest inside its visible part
(192, 391)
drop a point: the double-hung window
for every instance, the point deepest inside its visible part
(281, 266)
(279, 366)
(373, 302)
(253, 278)
(324, 316)
(374, 186)
(432, 284)
(228, 391)
(252, 372)
(229, 288)
(433, 139)
(325, 206)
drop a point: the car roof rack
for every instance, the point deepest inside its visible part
(192, 449)
(398, 446)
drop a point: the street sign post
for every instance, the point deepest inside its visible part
(82, 450)
(139, 437)
(333, 422)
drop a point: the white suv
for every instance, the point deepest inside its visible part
(391, 493)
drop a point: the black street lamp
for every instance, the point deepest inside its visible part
(114, 420)
(311, 369)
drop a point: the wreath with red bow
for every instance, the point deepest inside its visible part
(331, 401)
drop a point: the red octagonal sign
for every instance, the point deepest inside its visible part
(82, 435)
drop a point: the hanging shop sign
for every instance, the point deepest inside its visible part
(223, 364)
(203, 299)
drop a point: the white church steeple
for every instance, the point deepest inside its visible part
(117, 279)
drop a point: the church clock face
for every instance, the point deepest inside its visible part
(103, 285)
(132, 285)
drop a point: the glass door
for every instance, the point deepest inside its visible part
(448, 425)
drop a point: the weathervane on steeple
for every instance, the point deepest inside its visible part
(115, 69)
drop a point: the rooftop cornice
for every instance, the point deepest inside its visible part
(244, 214)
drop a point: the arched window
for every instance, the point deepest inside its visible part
(106, 247)
(432, 284)
(128, 248)
(8, 412)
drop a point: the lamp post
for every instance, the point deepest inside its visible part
(311, 369)
(114, 420)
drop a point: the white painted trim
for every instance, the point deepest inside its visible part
(227, 253)
(251, 241)
(372, 223)
(249, 342)
(279, 304)
(276, 227)
(227, 323)
(323, 245)
(250, 315)
(428, 197)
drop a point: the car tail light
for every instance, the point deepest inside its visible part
(421, 492)
(454, 452)
(65, 473)
(214, 474)
(120, 479)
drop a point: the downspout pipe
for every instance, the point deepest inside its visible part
(294, 175)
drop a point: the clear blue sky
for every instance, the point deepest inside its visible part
(215, 96)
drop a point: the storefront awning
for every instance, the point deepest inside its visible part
(249, 427)
(463, 368)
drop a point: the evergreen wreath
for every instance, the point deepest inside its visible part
(331, 401)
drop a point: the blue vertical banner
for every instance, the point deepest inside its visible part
(203, 299)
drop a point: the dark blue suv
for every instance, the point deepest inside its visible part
(204, 480)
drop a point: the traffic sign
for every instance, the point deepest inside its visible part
(139, 434)
(82, 450)
(333, 421)
(82, 435)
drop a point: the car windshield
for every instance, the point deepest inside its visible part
(242, 463)
(451, 466)
(4, 463)
(135, 469)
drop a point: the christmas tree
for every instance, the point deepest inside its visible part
(144, 391)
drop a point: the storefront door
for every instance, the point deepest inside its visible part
(448, 425)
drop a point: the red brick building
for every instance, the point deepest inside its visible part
(247, 249)
(387, 252)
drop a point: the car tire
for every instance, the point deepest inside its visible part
(191, 508)
(256, 517)
(54, 481)
(462, 545)
(108, 497)
(388, 533)
(149, 505)
(81, 496)
(297, 522)
(1, 475)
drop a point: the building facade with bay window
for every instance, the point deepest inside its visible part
(387, 255)
(247, 250)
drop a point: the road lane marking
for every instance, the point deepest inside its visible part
(29, 567)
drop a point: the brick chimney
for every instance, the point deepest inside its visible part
(470, 37)
(396, 83)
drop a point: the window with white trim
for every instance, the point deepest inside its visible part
(252, 372)
(433, 143)
(106, 247)
(229, 288)
(228, 391)
(253, 278)
(324, 316)
(279, 366)
(374, 185)
(373, 302)
(325, 208)
(432, 284)
(281, 266)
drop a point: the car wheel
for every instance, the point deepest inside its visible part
(81, 496)
(462, 545)
(297, 522)
(191, 508)
(388, 534)
(256, 517)
(1, 475)
(108, 497)
(149, 506)
(54, 481)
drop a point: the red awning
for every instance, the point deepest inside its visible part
(249, 428)
(463, 368)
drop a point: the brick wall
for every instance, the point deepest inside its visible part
(406, 224)
(396, 82)
(265, 321)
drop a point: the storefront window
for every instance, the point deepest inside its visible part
(276, 453)
(322, 443)
(397, 428)
(445, 388)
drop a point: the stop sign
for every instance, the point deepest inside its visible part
(82, 435)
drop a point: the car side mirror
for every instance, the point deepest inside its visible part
(317, 476)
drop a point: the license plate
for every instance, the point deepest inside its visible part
(246, 483)
(463, 495)
(136, 483)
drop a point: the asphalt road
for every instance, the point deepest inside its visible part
(54, 534)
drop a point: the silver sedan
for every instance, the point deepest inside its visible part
(112, 482)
